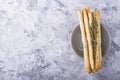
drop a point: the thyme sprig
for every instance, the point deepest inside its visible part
(93, 30)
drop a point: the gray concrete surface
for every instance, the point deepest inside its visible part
(35, 40)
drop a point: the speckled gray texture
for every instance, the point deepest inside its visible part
(35, 40)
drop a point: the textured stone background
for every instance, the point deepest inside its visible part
(35, 40)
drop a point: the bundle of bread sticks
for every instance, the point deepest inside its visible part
(91, 38)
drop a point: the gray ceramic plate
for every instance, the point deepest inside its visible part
(76, 41)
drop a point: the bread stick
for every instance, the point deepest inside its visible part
(98, 57)
(89, 39)
(90, 15)
(84, 40)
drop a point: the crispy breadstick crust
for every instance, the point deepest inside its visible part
(84, 40)
(89, 39)
(98, 57)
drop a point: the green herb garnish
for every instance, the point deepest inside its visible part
(93, 30)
